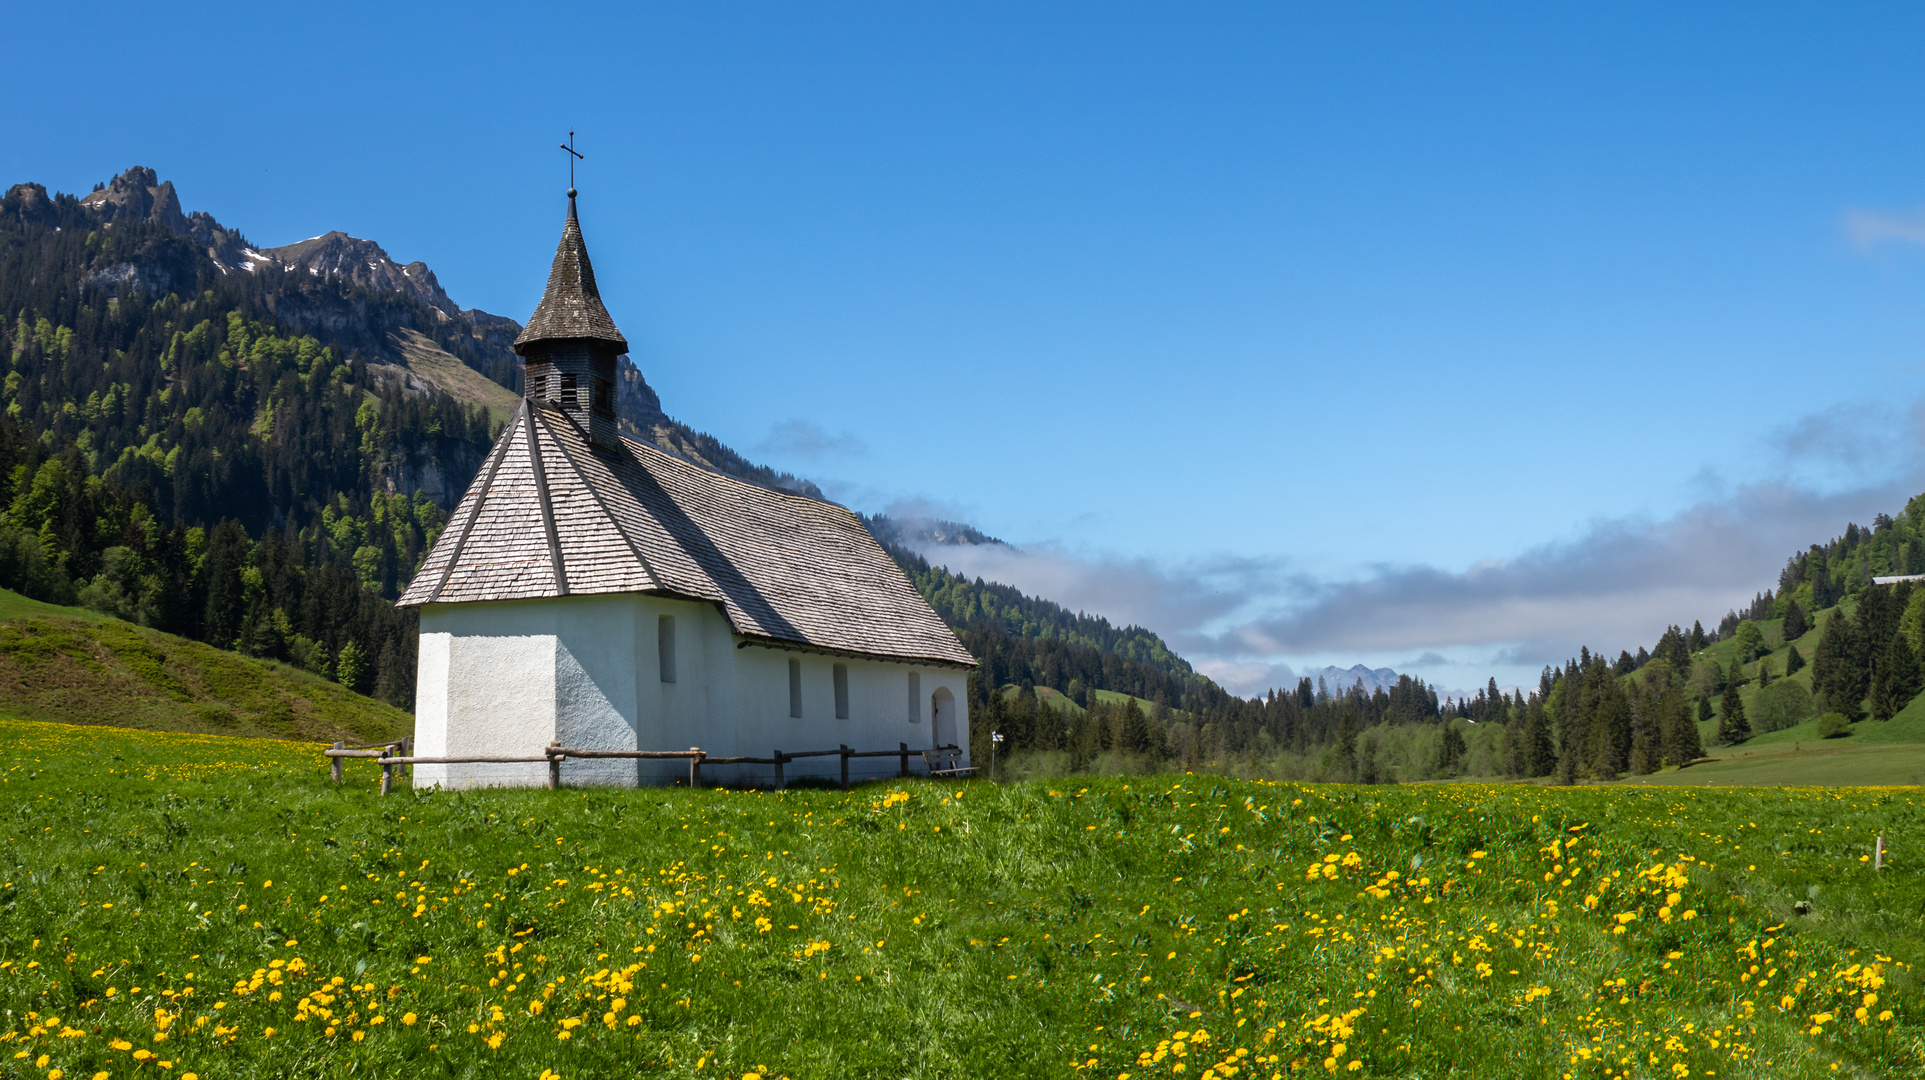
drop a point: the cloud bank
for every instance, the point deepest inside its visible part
(1250, 623)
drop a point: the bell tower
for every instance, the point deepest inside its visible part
(570, 343)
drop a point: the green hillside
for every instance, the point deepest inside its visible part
(75, 666)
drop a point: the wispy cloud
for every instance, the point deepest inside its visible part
(808, 439)
(1616, 585)
(1126, 591)
(1867, 229)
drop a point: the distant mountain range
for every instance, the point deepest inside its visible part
(1340, 680)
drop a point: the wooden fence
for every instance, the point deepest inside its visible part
(395, 755)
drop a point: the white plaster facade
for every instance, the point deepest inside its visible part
(506, 678)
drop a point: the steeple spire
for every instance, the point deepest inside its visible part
(570, 344)
(571, 308)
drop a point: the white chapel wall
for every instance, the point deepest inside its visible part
(509, 677)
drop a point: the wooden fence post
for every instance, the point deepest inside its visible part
(905, 761)
(845, 766)
(778, 770)
(695, 767)
(336, 767)
(387, 773)
(554, 768)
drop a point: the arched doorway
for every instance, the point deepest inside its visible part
(942, 709)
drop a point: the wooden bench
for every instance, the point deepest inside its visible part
(943, 760)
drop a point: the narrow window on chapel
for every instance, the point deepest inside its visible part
(604, 397)
(915, 697)
(842, 691)
(665, 646)
(569, 393)
(795, 688)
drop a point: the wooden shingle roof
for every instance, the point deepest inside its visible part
(549, 517)
(571, 307)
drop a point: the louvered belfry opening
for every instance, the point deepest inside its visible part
(571, 344)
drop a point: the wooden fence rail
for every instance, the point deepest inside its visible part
(398, 755)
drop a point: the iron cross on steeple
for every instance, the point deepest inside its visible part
(573, 157)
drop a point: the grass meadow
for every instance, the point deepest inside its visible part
(199, 907)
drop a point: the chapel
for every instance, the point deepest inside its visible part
(595, 591)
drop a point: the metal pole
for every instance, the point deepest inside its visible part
(845, 766)
(905, 760)
(1878, 855)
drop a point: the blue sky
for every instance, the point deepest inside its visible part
(1302, 335)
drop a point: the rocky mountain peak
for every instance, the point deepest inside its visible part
(140, 194)
(30, 204)
(364, 263)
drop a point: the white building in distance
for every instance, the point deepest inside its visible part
(594, 591)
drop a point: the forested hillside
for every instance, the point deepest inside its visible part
(247, 448)
(172, 453)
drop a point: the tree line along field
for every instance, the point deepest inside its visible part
(198, 906)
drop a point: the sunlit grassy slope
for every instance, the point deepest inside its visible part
(221, 894)
(1889, 752)
(77, 666)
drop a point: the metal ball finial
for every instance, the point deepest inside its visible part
(571, 193)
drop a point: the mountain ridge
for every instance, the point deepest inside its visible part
(296, 395)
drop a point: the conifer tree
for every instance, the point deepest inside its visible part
(1795, 624)
(1682, 743)
(1647, 736)
(1613, 725)
(1345, 764)
(1733, 728)
(1794, 662)
(1132, 730)
(1838, 671)
(1698, 641)
(1895, 678)
(1450, 750)
(1540, 755)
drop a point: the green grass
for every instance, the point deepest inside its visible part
(1062, 702)
(70, 665)
(446, 373)
(219, 888)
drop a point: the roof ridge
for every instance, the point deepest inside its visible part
(547, 505)
(731, 477)
(601, 504)
(481, 496)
